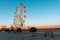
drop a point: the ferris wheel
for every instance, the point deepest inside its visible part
(20, 15)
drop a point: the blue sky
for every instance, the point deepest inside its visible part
(39, 12)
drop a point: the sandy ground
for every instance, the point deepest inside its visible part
(25, 35)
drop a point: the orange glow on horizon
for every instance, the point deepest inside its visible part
(36, 26)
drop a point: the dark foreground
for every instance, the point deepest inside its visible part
(26, 35)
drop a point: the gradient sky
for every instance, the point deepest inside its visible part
(39, 12)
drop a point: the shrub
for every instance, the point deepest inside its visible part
(18, 30)
(32, 29)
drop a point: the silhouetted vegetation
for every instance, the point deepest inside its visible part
(12, 30)
(32, 29)
(7, 30)
(18, 30)
(0, 30)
